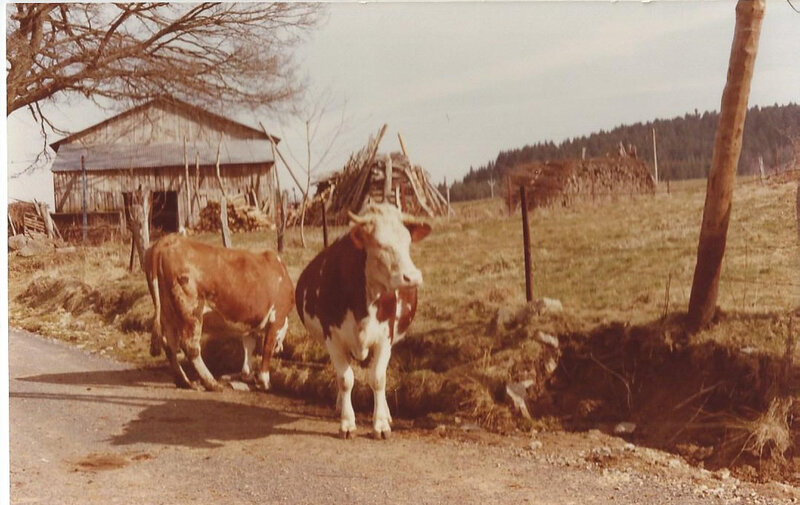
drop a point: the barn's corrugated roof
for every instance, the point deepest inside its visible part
(126, 156)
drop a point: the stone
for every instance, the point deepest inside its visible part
(503, 319)
(546, 339)
(550, 305)
(239, 386)
(624, 428)
(17, 242)
(517, 391)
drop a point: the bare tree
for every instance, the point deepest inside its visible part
(319, 143)
(209, 53)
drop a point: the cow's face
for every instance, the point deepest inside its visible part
(386, 236)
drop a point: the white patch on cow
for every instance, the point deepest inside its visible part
(281, 335)
(268, 318)
(263, 379)
(358, 337)
(313, 325)
(249, 345)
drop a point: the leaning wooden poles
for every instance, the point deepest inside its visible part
(722, 175)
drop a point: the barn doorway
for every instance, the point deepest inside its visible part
(164, 212)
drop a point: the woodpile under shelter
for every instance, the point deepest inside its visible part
(372, 177)
(561, 183)
(182, 156)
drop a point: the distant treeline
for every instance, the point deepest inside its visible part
(684, 146)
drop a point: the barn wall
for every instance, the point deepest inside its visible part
(105, 187)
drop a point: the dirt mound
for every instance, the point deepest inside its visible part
(716, 406)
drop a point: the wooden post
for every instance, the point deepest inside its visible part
(41, 208)
(722, 175)
(83, 199)
(187, 220)
(526, 244)
(508, 191)
(14, 231)
(223, 219)
(223, 205)
(655, 156)
(387, 183)
(279, 213)
(324, 225)
(133, 250)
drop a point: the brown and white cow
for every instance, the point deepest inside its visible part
(360, 295)
(250, 293)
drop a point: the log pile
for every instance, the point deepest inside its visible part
(565, 182)
(30, 218)
(241, 217)
(363, 180)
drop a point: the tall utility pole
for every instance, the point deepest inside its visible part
(722, 175)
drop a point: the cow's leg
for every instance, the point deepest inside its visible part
(171, 350)
(248, 345)
(345, 380)
(381, 417)
(273, 342)
(192, 331)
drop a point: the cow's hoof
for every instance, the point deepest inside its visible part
(381, 435)
(183, 385)
(215, 387)
(347, 434)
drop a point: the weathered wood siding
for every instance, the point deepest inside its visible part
(163, 123)
(106, 187)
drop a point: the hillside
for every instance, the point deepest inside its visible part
(685, 145)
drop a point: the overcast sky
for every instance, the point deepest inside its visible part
(461, 81)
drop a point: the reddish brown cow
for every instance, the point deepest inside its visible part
(359, 295)
(250, 292)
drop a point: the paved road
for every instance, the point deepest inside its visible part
(87, 430)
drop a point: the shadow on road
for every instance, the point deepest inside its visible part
(191, 422)
(131, 377)
(204, 423)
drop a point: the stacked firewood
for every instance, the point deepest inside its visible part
(241, 217)
(564, 182)
(362, 179)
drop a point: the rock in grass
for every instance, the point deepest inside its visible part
(17, 242)
(518, 392)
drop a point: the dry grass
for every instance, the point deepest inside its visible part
(605, 262)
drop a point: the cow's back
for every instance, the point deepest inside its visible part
(241, 285)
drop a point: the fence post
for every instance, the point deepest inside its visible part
(526, 242)
(725, 157)
(83, 199)
(324, 225)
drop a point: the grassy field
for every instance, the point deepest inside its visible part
(613, 264)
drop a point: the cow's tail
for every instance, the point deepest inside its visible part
(151, 266)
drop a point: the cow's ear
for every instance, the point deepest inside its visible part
(359, 236)
(418, 231)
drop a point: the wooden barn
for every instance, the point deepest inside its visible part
(169, 149)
